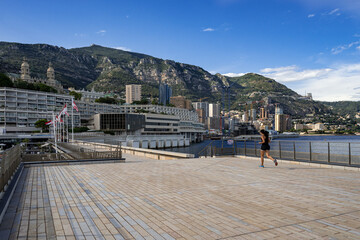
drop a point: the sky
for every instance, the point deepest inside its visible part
(311, 46)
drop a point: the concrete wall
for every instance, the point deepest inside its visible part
(148, 153)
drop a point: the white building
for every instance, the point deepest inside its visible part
(133, 93)
(89, 96)
(202, 105)
(319, 127)
(214, 110)
(20, 108)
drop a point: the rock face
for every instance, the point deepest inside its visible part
(111, 69)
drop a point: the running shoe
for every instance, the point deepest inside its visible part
(276, 163)
(261, 166)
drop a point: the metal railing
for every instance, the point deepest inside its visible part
(344, 153)
(76, 152)
(9, 162)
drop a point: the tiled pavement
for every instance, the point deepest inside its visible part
(222, 198)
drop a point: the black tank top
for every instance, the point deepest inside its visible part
(266, 141)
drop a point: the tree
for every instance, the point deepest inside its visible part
(142, 102)
(76, 95)
(5, 81)
(107, 100)
(154, 102)
(41, 124)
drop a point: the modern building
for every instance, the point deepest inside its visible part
(21, 108)
(278, 110)
(133, 93)
(131, 124)
(264, 113)
(202, 105)
(244, 128)
(89, 96)
(183, 114)
(147, 124)
(50, 80)
(214, 110)
(280, 122)
(252, 113)
(181, 102)
(201, 114)
(165, 93)
(213, 123)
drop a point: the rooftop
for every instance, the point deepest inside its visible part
(212, 198)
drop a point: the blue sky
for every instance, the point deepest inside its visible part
(308, 45)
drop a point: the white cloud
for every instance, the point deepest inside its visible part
(101, 32)
(358, 47)
(208, 30)
(339, 49)
(334, 11)
(311, 15)
(327, 84)
(123, 48)
(234, 74)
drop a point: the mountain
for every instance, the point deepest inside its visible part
(107, 69)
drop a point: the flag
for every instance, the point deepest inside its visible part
(58, 119)
(74, 105)
(49, 122)
(64, 111)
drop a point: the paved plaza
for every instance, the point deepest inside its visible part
(212, 198)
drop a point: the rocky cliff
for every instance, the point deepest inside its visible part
(108, 69)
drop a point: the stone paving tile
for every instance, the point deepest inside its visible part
(221, 198)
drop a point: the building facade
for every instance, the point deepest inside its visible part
(165, 93)
(21, 108)
(280, 122)
(146, 124)
(202, 105)
(214, 110)
(133, 93)
(181, 102)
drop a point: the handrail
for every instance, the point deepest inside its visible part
(10, 161)
(340, 153)
(205, 147)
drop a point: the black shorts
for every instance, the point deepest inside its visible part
(265, 147)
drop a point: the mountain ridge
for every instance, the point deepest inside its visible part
(105, 69)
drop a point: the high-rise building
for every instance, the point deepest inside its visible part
(201, 114)
(181, 102)
(202, 105)
(253, 114)
(165, 93)
(280, 122)
(214, 110)
(133, 93)
(278, 110)
(262, 113)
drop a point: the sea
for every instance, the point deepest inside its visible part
(318, 141)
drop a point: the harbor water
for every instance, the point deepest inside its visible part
(321, 147)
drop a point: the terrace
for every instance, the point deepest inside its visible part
(206, 198)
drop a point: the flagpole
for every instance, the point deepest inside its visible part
(72, 119)
(63, 131)
(54, 125)
(67, 128)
